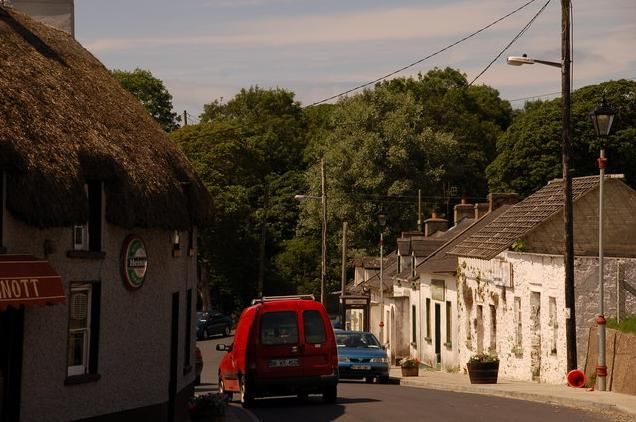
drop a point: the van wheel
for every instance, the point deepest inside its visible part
(330, 394)
(383, 380)
(228, 394)
(226, 331)
(368, 380)
(204, 334)
(247, 400)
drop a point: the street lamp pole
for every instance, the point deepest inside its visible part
(602, 118)
(566, 148)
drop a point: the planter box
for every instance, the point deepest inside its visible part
(410, 372)
(483, 372)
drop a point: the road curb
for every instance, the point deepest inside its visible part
(518, 395)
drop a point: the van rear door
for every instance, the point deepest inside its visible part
(279, 349)
(317, 349)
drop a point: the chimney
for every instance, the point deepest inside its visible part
(495, 200)
(434, 224)
(463, 210)
(59, 14)
(481, 209)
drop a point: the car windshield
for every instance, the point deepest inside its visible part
(363, 340)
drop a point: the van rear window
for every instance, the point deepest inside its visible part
(279, 328)
(314, 327)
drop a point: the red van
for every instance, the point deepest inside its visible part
(283, 345)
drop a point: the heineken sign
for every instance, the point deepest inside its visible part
(134, 262)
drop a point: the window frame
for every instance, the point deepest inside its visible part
(88, 370)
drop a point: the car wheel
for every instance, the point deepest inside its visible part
(383, 380)
(204, 334)
(368, 380)
(247, 400)
(226, 331)
(330, 394)
(228, 394)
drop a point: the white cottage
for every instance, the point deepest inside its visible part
(511, 294)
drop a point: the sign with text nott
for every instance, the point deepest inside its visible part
(134, 262)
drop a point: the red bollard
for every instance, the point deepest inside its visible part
(576, 378)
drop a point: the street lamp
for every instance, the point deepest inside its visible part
(323, 200)
(382, 223)
(566, 147)
(602, 117)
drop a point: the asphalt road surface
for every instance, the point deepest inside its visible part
(358, 401)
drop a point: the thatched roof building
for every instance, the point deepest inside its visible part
(65, 120)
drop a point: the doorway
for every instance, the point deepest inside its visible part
(174, 356)
(11, 347)
(438, 334)
(535, 341)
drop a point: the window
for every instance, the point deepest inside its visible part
(187, 363)
(314, 327)
(176, 243)
(449, 324)
(493, 329)
(83, 329)
(428, 319)
(518, 326)
(553, 324)
(88, 237)
(279, 328)
(413, 324)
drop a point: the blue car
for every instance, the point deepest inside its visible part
(360, 356)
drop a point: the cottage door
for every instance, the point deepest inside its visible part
(438, 334)
(535, 341)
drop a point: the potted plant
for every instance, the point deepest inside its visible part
(207, 407)
(410, 367)
(483, 368)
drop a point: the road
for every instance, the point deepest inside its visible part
(358, 401)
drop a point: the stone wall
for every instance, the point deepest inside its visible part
(620, 358)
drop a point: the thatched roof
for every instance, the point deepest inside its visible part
(65, 120)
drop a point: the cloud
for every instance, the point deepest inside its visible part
(395, 24)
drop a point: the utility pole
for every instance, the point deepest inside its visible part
(261, 247)
(419, 210)
(566, 148)
(343, 280)
(185, 118)
(323, 199)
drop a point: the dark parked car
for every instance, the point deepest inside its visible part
(209, 323)
(360, 355)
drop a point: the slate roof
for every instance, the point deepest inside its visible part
(440, 261)
(521, 218)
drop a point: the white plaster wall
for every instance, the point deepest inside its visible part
(134, 348)
(531, 273)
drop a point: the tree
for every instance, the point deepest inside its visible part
(249, 152)
(152, 93)
(529, 153)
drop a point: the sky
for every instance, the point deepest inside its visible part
(209, 49)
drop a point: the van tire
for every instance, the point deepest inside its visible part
(368, 380)
(330, 394)
(204, 334)
(226, 331)
(383, 380)
(247, 400)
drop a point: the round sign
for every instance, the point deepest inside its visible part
(134, 262)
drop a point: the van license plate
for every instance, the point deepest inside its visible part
(361, 367)
(280, 363)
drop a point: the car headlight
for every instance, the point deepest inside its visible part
(380, 360)
(343, 359)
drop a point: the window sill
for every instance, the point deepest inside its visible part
(81, 379)
(428, 340)
(86, 254)
(448, 345)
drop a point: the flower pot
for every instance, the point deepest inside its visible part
(410, 372)
(483, 372)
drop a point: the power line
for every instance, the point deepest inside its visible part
(516, 37)
(425, 58)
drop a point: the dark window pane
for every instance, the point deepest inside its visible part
(314, 327)
(279, 328)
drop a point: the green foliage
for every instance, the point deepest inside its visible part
(627, 325)
(248, 152)
(484, 357)
(152, 93)
(529, 153)
(411, 362)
